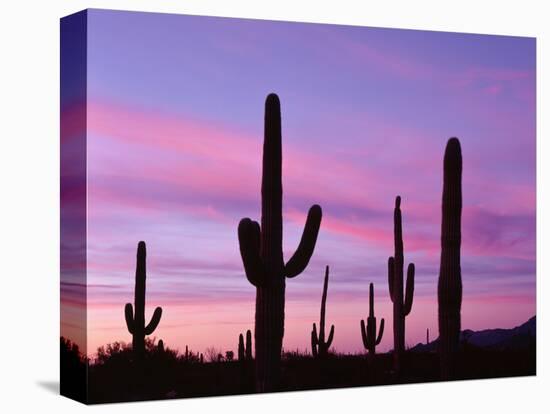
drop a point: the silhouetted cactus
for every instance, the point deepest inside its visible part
(201, 358)
(241, 348)
(401, 306)
(160, 346)
(248, 349)
(245, 352)
(320, 347)
(427, 336)
(136, 321)
(449, 289)
(370, 340)
(262, 254)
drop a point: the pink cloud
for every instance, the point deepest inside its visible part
(370, 232)
(474, 75)
(216, 161)
(228, 174)
(139, 127)
(492, 89)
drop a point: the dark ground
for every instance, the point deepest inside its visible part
(167, 375)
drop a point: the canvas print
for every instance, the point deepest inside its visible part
(253, 206)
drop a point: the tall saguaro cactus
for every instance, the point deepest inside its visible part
(320, 347)
(449, 289)
(401, 305)
(370, 340)
(261, 250)
(135, 321)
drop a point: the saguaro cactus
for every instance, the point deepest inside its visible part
(401, 306)
(320, 347)
(160, 346)
(427, 336)
(370, 340)
(248, 349)
(262, 254)
(241, 347)
(136, 320)
(449, 289)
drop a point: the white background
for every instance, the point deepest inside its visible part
(29, 194)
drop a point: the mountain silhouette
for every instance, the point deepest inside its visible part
(521, 337)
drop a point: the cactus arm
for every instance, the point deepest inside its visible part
(380, 332)
(314, 334)
(330, 337)
(314, 341)
(313, 344)
(255, 233)
(129, 316)
(409, 291)
(249, 244)
(149, 329)
(301, 257)
(364, 335)
(391, 275)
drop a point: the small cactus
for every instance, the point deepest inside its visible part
(449, 289)
(135, 321)
(370, 340)
(160, 346)
(245, 352)
(241, 352)
(201, 358)
(320, 347)
(427, 336)
(401, 306)
(261, 250)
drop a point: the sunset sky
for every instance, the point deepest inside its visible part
(174, 139)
